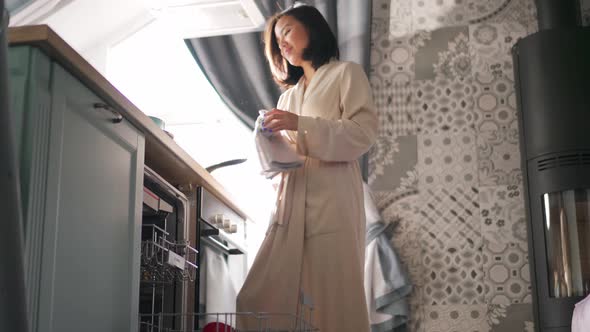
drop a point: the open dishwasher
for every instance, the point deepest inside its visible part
(193, 263)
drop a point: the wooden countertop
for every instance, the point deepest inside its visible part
(162, 154)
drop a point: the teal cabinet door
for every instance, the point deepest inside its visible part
(30, 80)
(30, 89)
(92, 221)
(81, 186)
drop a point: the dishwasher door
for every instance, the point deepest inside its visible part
(222, 256)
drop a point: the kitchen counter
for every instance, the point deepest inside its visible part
(162, 154)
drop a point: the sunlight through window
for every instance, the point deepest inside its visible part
(159, 75)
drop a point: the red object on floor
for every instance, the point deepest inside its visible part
(218, 327)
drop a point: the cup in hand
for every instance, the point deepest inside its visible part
(260, 124)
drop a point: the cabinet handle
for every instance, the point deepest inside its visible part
(118, 117)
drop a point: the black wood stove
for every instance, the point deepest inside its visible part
(552, 72)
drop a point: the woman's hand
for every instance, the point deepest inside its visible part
(277, 119)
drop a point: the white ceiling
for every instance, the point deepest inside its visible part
(86, 23)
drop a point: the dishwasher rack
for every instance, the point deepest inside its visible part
(262, 322)
(165, 261)
(226, 321)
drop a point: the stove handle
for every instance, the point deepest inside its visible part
(208, 239)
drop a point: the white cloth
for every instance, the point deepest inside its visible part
(275, 153)
(386, 283)
(581, 317)
(371, 211)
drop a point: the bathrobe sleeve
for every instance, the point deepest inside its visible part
(347, 138)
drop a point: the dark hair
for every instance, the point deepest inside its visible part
(321, 49)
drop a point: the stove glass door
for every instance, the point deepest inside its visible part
(567, 237)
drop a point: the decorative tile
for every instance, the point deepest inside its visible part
(400, 19)
(443, 106)
(445, 54)
(450, 217)
(407, 246)
(402, 57)
(454, 275)
(379, 28)
(530, 21)
(381, 8)
(495, 103)
(498, 157)
(402, 206)
(447, 159)
(523, 12)
(503, 214)
(491, 47)
(395, 110)
(456, 61)
(456, 318)
(420, 38)
(416, 322)
(380, 157)
(378, 84)
(442, 80)
(481, 9)
(515, 317)
(392, 162)
(436, 14)
(392, 58)
(380, 64)
(507, 276)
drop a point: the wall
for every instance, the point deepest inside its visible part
(447, 163)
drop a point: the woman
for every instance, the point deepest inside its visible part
(314, 249)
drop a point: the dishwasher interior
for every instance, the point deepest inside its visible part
(193, 263)
(169, 259)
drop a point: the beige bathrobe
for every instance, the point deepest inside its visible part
(314, 248)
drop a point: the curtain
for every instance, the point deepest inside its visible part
(236, 67)
(12, 5)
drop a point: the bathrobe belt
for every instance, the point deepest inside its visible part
(280, 206)
(287, 191)
(288, 195)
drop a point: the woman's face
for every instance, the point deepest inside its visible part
(292, 39)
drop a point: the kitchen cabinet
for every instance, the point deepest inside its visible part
(82, 147)
(81, 182)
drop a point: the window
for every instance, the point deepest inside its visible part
(156, 72)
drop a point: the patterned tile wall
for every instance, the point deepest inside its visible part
(446, 165)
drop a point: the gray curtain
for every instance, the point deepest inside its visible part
(11, 5)
(13, 308)
(236, 67)
(235, 64)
